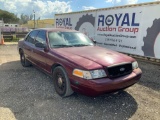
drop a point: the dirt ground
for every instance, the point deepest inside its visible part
(28, 94)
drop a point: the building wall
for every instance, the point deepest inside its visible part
(1, 23)
(40, 23)
(10, 25)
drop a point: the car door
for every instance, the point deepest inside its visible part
(28, 44)
(39, 54)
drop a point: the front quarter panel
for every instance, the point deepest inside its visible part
(53, 58)
(20, 45)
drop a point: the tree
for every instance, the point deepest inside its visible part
(24, 18)
(8, 17)
(31, 17)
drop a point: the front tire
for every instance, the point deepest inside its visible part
(61, 82)
(24, 61)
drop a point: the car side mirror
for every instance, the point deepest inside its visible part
(40, 45)
(94, 41)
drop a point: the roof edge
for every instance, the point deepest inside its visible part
(110, 8)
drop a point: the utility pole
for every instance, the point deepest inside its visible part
(34, 19)
(0, 33)
(1, 25)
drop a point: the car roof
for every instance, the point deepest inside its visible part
(56, 29)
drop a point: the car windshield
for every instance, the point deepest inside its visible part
(68, 39)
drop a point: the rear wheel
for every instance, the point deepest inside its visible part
(24, 61)
(61, 82)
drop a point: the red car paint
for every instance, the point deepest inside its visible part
(84, 58)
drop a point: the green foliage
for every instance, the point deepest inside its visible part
(12, 18)
(24, 18)
(15, 39)
(8, 17)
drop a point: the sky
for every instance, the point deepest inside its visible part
(47, 8)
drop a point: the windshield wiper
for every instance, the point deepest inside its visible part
(78, 45)
(62, 45)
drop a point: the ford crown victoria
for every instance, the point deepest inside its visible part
(76, 64)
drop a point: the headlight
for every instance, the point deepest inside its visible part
(134, 65)
(89, 74)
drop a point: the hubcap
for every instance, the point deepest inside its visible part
(22, 59)
(60, 81)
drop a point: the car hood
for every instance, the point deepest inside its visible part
(88, 56)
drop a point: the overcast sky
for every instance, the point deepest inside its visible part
(47, 8)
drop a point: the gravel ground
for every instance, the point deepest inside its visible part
(29, 94)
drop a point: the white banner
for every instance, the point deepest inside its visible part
(83, 22)
(119, 29)
(133, 30)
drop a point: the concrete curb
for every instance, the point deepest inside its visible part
(10, 43)
(146, 59)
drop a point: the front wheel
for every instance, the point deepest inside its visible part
(61, 82)
(24, 61)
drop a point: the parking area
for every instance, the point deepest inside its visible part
(28, 94)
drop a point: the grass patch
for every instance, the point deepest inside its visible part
(13, 40)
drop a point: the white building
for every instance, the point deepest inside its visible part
(1, 23)
(10, 25)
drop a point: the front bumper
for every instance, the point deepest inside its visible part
(103, 85)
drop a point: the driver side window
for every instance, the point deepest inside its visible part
(31, 37)
(41, 37)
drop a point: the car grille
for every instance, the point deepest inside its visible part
(119, 70)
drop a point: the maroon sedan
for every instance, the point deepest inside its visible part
(76, 63)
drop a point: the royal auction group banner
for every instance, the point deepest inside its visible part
(132, 29)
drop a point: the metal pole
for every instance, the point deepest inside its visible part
(37, 23)
(0, 35)
(0, 31)
(34, 20)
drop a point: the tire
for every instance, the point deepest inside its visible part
(61, 82)
(83, 19)
(150, 38)
(24, 61)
